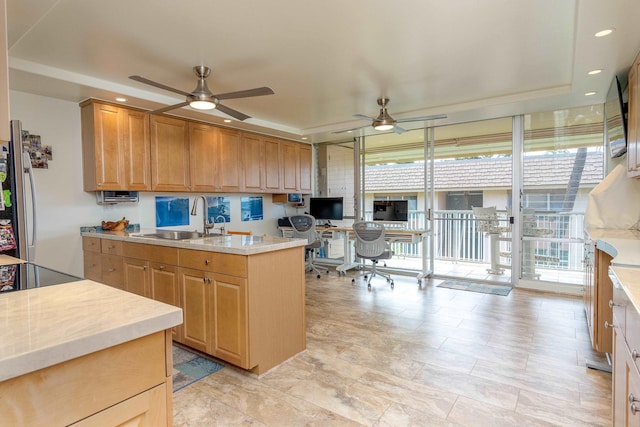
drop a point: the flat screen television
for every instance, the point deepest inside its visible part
(615, 110)
(326, 208)
(391, 210)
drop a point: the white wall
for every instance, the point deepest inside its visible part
(63, 206)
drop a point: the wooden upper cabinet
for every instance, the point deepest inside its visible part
(229, 161)
(169, 154)
(102, 147)
(305, 160)
(137, 158)
(203, 146)
(261, 164)
(633, 121)
(296, 167)
(289, 166)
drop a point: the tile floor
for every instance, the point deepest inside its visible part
(415, 356)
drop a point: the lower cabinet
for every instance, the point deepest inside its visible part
(248, 310)
(215, 315)
(125, 385)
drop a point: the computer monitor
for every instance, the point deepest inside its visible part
(391, 210)
(326, 208)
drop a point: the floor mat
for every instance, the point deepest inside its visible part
(476, 287)
(190, 367)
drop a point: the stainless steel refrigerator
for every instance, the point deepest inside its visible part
(17, 198)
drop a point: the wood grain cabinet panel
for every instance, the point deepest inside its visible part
(229, 161)
(136, 276)
(253, 163)
(633, 121)
(164, 285)
(115, 147)
(203, 146)
(169, 154)
(196, 320)
(228, 312)
(289, 166)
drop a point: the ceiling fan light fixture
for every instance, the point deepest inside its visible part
(202, 105)
(384, 121)
(382, 126)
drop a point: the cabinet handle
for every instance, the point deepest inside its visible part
(208, 279)
(632, 403)
(207, 262)
(204, 280)
(612, 304)
(634, 354)
(111, 270)
(161, 267)
(144, 267)
(609, 325)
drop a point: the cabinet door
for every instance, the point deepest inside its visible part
(229, 161)
(169, 154)
(112, 270)
(305, 160)
(194, 285)
(272, 170)
(92, 266)
(253, 165)
(289, 165)
(147, 409)
(163, 282)
(203, 153)
(603, 293)
(137, 161)
(102, 148)
(228, 306)
(136, 276)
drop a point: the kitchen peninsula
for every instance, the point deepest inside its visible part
(83, 352)
(243, 297)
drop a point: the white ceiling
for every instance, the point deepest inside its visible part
(326, 60)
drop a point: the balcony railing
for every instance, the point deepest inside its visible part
(556, 238)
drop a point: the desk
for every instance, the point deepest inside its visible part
(391, 235)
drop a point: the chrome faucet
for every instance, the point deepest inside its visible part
(206, 225)
(224, 223)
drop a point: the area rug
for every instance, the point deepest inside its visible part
(189, 367)
(476, 287)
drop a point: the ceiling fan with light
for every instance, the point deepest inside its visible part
(385, 122)
(202, 99)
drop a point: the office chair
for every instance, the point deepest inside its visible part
(370, 244)
(304, 227)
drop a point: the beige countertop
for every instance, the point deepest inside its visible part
(231, 244)
(49, 325)
(622, 245)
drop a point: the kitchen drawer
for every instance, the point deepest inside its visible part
(632, 331)
(215, 262)
(619, 304)
(91, 244)
(111, 247)
(93, 266)
(154, 253)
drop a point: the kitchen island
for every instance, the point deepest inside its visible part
(87, 353)
(243, 297)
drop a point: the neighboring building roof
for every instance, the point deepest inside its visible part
(487, 173)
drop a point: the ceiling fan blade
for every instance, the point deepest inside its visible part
(158, 85)
(363, 117)
(169, 107)
(422, 119)
(397, 129)
(233, 113)
(259, 91)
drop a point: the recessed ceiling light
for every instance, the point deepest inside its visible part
(604, 32)
(304, 137)
(227, 120)
(121, 99)
(592, 72)
(349, 131)
(590, 93)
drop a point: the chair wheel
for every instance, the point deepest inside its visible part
(353, 280)
(318, 276)
(365, 276)
(391, 285)
(369, 287)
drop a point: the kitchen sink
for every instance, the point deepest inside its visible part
(177, 235)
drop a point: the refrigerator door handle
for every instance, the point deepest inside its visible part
(31, 248)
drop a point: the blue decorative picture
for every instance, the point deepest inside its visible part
(219, 210)
(171, 211)
(251, 208)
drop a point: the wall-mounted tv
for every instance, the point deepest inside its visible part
(391, 210)
(615, 110)
(326, 208)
